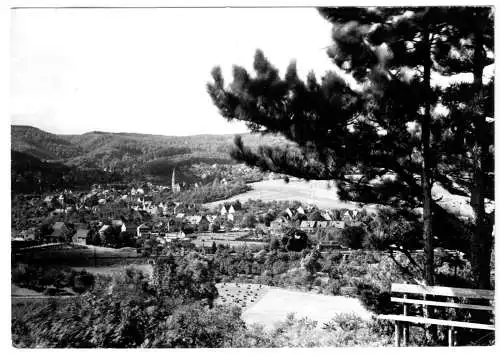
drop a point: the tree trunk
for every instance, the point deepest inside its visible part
(426, 167)
(481, 241)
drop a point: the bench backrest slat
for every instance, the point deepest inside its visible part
(444, 291)
(443, 304)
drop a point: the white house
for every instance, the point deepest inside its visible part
(103, 229)
(81, 236)
(326, 216)
(194, 219)
(143, 228)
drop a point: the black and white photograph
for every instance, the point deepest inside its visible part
(236, 176)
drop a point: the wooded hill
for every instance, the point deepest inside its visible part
(32, 175)
(130, 153)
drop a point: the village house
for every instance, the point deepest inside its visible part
(337, 224)
(118, 223)
(203, 224)
(48, 199)
(194, 220)
(60, 233)
(57, 212)
(81, 236)
(277, 225)
(322, 224)
(307, 226)
(175, 235)
(326, 216)
(131, 229)
(103, 229)
(143, 229)
(15, 236)
(25, 235)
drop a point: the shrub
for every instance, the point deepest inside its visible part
(345, 321)
(83, 281)
(382, 327)
(333, 286)
(352, 236)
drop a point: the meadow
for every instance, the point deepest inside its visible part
(320, 193)
(269, 305)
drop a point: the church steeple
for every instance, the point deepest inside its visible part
(173, 179)
(175, 187)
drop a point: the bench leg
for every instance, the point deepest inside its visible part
(451, 336)
(406, 333)
(397, 334)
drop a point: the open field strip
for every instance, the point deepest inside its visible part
(17, 291)
(272, 304)
(315, 192)
(325, 195)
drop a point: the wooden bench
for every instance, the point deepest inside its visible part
(455, 297)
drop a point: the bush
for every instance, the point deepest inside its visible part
(40, 278)
(352, 237)
(345, 321)
(382, 327)
(374, 298)
(83, 281)
(333, 286)
(304, 332)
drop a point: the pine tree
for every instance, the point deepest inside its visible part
(356, 133)
(469, 49)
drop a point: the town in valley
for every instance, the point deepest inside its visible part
(337, 189)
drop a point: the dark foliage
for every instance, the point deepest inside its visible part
(31, 175)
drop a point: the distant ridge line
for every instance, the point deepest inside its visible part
(134, 133)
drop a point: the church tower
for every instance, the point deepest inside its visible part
(175, 187)
(173, 179)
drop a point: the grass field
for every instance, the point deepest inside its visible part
(322, 195)
(268, 305)
(17, 291)
(315, 192)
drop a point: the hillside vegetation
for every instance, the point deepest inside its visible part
(130, 153)
(32, 175)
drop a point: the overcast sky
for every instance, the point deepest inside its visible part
(145, 70)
